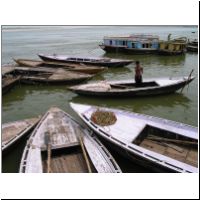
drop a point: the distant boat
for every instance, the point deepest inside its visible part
(159, 144)
(132, 44)
(100, 61)
(59, 144)
(13, 132)
(89, 69)
(128, 88)
(192, 46)
(173, 47)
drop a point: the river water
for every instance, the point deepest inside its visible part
(25, 101)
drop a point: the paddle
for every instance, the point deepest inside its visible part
(85, 154)
(48, 142)
(172, 140)
(187, 80)
(119, 86)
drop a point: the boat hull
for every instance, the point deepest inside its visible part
(37, 80)
(170, 53)
(133, 93)
(104, 64)
(13, 140)
(123, 139)
(10, 84)
(116, 49)
(192, 48)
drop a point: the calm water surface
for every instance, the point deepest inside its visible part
(26, 101)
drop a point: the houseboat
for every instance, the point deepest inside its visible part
(133, 44)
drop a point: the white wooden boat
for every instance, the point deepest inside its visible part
(47, 75)
(59, 144)
(128, 88)
(100, 61)
(13, 132)
(157, 143)
(83, 68)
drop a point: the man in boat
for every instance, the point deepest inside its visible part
(138, 73)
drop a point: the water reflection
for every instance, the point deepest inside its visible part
(139, 104)
(152, 59)
(20, 92)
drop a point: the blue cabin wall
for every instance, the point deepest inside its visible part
(138, 44)
(129, 44)
(155, 45)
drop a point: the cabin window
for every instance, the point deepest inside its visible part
(124, 43)
(110, 42)
(145, 45)
(133, 45)
(79, 59)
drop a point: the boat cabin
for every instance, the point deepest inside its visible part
(172, 46)
(133, 41)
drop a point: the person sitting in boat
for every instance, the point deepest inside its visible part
(138, 73)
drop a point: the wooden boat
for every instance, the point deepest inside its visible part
(7, 69)
(8, 82)
(88, 69)
(128, 88)
(173, 47)
(14, 132)
(100, 61)
(133, 44)
(157, 143)
(59, 144)
(28, 62)
(50, 75)
(192, 46)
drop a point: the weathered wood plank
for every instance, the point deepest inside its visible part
(64, 132)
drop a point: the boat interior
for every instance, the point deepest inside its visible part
(133, 85)
(33, 72)
(170, 144)
(66, 160)
(87, 59)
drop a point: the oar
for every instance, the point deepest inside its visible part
(172, 140)
(187, 80)
(85, 155)
(48, 138)
(119, 86)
